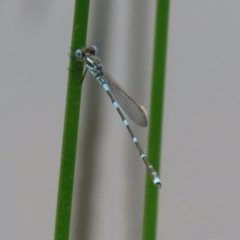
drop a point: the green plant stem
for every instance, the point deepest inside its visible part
(156, 116)
(69, 144)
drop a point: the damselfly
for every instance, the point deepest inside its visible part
(118, 96)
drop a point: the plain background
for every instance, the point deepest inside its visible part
(200, 151)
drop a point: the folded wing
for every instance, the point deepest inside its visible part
(135, 111)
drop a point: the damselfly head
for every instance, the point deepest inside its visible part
(81, 54)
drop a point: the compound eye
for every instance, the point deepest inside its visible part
(78, 54)
(95, 49)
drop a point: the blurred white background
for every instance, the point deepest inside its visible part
(201, 135)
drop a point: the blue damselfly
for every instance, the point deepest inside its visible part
(118, 97)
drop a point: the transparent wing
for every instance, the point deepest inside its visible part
(135, 111)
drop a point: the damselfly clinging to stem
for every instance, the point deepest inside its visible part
(118, 96)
